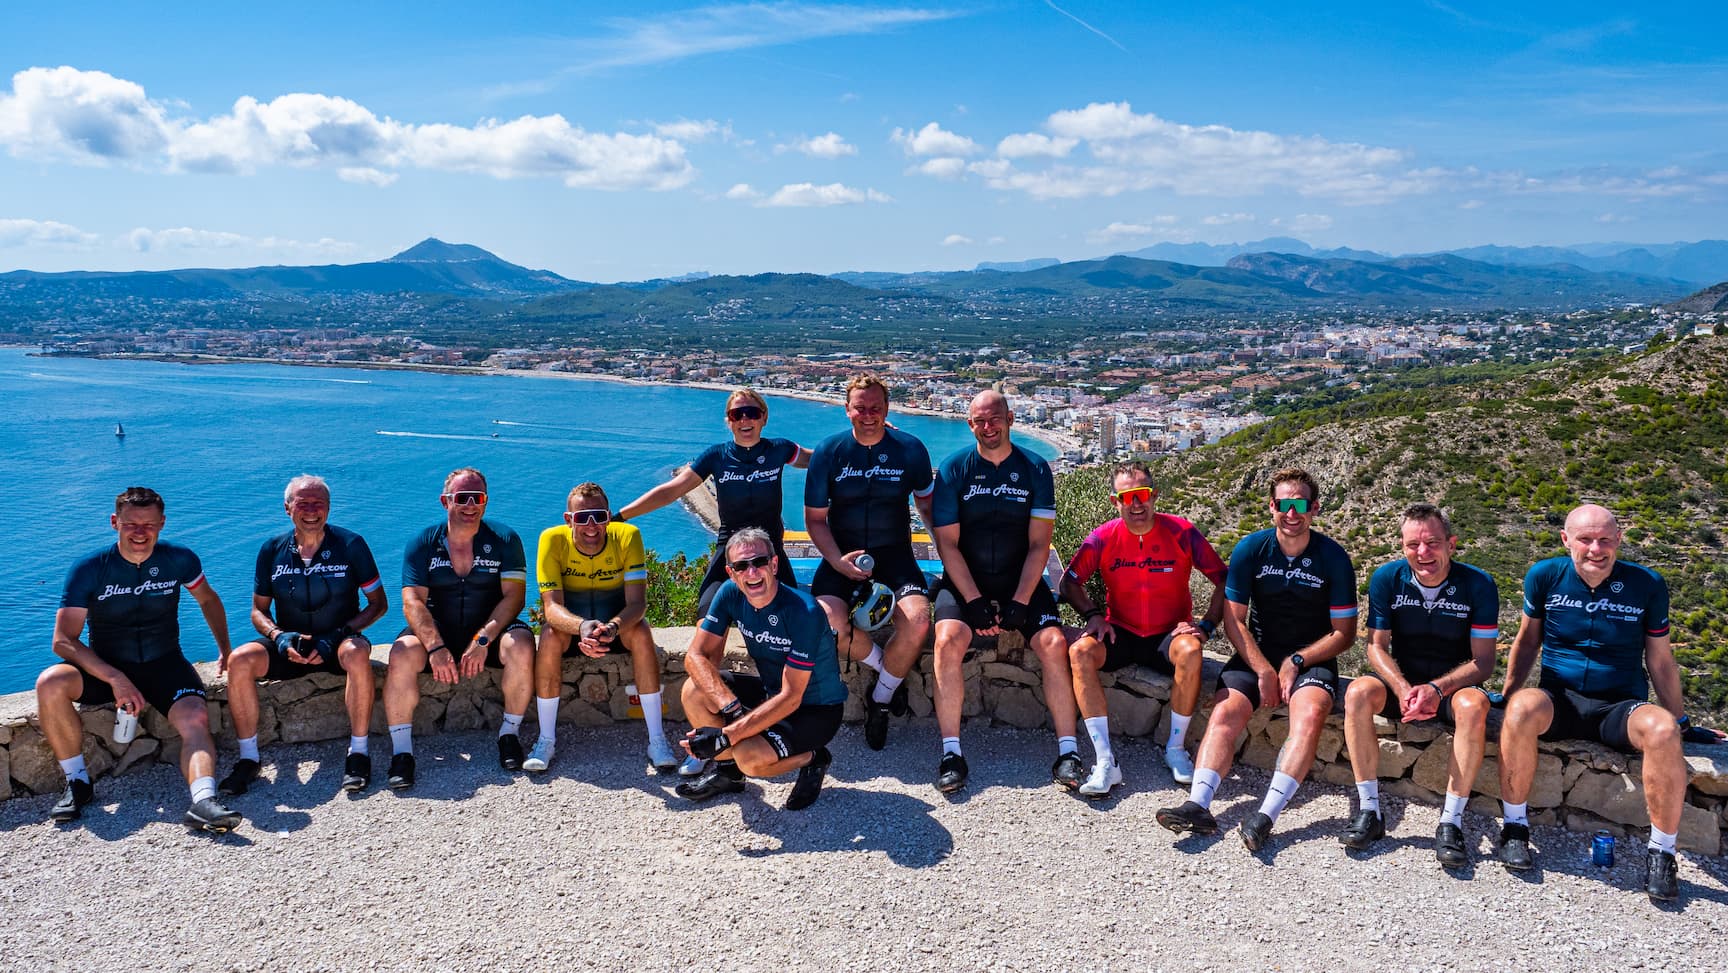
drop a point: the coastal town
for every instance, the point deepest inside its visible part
(1137, 391)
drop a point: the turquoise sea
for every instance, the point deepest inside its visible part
(220, 442)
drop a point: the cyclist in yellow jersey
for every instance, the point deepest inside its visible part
(593, 579)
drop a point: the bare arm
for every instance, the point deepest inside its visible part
(377, 603)
(954, 566)
(802, 460)
(1664, 673)
(1525, 646)
(682, 482)
(1386, 667)
(702, 666)
(1038, 535)
(1242, 640)
(821, 535)
(773, 709)
(419, 618)
(215, 616)
(635, 606)
(261, 620)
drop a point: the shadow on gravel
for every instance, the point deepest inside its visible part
(852, 820)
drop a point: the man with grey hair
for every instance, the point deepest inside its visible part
(306, 589)
(1602, 627)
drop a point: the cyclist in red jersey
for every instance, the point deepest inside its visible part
(1146, 559)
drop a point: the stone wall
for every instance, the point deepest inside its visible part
(1578, 785)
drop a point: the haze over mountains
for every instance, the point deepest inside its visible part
(1273, 274)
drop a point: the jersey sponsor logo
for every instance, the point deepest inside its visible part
(1560, 600)
(1000, 490)
(774, 620)
(1617, 587)
(1403, 600)
(143, 588)
(1292, 575)
(877, 472)
(1014, 478)
(601, 573)
(485, 564)
(338, 570)
(760, 460)
(1159, 565)
(766, 638)
(154, 571)
(754, 476)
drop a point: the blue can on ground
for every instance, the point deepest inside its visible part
(1602, 850)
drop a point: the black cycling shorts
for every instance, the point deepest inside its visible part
(163, 681)
(1394, 708)
(1239, 676)
(1042, 611)
(1129, 649)
(806, 730)
(897, 569)
(456, 642)
(281, 667)
(1581, 717)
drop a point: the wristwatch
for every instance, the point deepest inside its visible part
(1297, 658)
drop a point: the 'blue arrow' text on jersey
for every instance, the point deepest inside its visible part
(1593, 638)
(790, 631)
(865, 488)
(134, 609)
(318, 596)
(747, 483)
(1292, 600)
(994, 504)
(460, 603)
(1430, 639)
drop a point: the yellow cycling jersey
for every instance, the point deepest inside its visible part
(560, 565)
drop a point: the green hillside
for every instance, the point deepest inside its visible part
(1507, 456)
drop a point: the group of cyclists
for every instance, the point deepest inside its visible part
(1286, 602)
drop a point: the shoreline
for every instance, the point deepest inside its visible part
(1061, 442)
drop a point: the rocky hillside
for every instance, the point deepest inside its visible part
(1645, 435)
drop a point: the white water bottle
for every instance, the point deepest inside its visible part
(865, 563)
(125, 725)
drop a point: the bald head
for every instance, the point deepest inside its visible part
(989, 418)
(1593, 515)
(1592, 539)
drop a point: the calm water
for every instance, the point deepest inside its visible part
(220, 441)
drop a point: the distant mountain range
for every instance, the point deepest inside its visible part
(1704, 262)
(1251, 279)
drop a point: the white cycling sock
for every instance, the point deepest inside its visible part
(249, 748)
(1278, 795)
(885, 686)
(1205, 785)
(1453, 812)
(1516, 813)
(74, 769)
(1067, 745)
(1178, 731)
(402, 737)
(874, 661)
(546, 708)
(1368, 795)
(1661, 840)
(202, 788)
(1098, 728)
(652, 716)
(951, 745)
(358, 745)
(511, 724)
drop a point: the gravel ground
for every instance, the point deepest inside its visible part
(598, 865)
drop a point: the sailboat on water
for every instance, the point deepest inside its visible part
(119, 431)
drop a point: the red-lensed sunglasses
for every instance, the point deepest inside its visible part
(1128, 498)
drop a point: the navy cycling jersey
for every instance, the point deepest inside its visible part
(994, 504)
(864, 488)
(1430, 638)
(462, 603)
(1593, 638)
(1292, 600)
(790, 631)
(318, 596)
(747, 483)
(134, 609)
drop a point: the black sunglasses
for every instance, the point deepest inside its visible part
(745, 564)
(742, 412)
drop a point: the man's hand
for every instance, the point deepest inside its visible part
(1421, 703)
(979, 614)
(473, 658)
(1015, 614)
(290, 644)
(1272, 683)
(706, 742)
(443, 665)
(126, 695)
(597, 638)
(1099, 629)
(848, 566)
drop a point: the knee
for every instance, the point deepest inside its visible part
(952, 641)
(1185, 654)
(407, 655)
(1086, 655)
(1469, 708)
(1233, 710)
(1659, 731)
(355, 655)
(190, 716)
(1526, 708)
(249, 661)
(59, 682)
(1364, 695)
(1052, 650)
(552, 641)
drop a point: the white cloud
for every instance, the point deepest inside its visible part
(742, 191)
(833, 194)
(933, 139)
(1304, 223)
(1616, 218)
(145, 240)
(1226, 219)
(1471, 204)
(93, 118)
(1117, 232)
(829, 146)
(365, 175)
(741, 26)
(1032, 144)
(956, 240)
(1131, 152)
(43, 234)
(942, 167)
(996, 241)
(694, 130)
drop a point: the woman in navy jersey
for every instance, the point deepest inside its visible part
(747, 479)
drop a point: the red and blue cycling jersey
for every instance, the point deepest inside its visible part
(1146, 575)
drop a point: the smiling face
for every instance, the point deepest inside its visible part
(465, 500)
(588, 518)
(1292, 524)
(309, 509)
(138, 526)
(1428, 550)
(1137, 510)
(746, 416)
(989, 418)
(1592, 538)
(756, 580)
(867, 407)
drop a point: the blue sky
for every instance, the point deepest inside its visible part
(619, 142)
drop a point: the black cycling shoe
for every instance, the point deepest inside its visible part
(1449, 846)
(241, 777)
(211, 815)
(1068, 771)
(401, 772)
(898, 704)
(1256, 830)
(1515, 847)
(71, 804)
(722, 779)
(510, 752)
(357, 772)
(876, 716)
(808, 786)
(1365, 829)
(1661, 876)
(1189, 818)
(951, 773)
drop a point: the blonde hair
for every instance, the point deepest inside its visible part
(866, 381)
(583, 491)
(750, 396)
